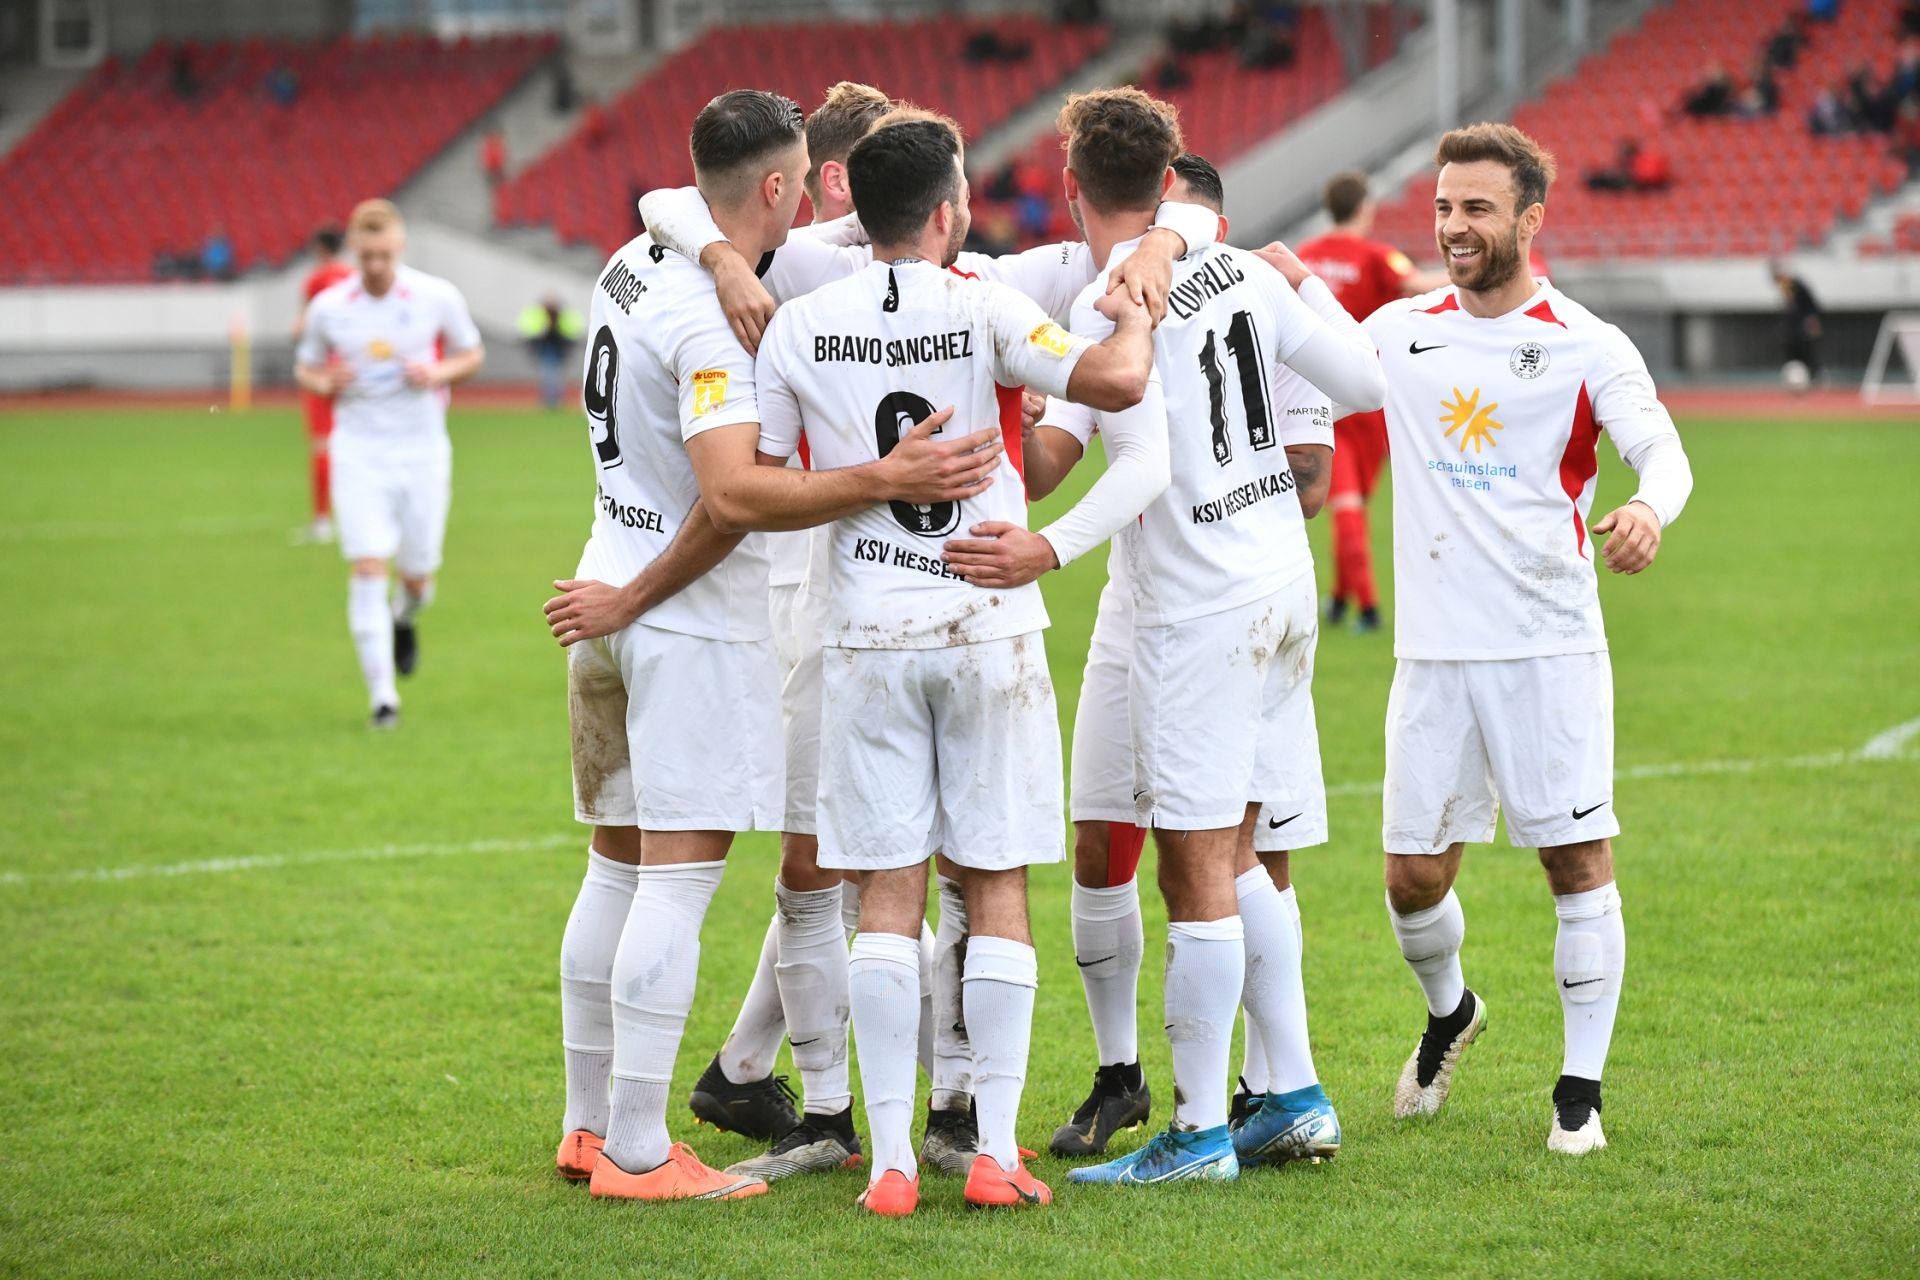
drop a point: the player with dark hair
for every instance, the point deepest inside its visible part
(1365, 275)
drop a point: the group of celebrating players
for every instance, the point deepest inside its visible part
(809, 604)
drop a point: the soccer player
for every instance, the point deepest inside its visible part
(1107, 843)
(1498, 388)
(938, 725)
(672, 681)
(383, 346)
(728, 1093)
(1365, 275)
(328, 269)
(1223, 623)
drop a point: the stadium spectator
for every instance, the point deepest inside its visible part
(1761, 97)
(593, 124)
(493, 154)
(216, 255)
(565, 95)
(1617, 176)
(1802, 319)
(1268, 46)
(1823, 10)
(1907, 22)
(1906, 135)
(1904, 81)
(181, 75)
(1864, 102)
(1783, 47)
(1828, 117)
(283, 85)
(1171, 74)
(551, 329)
(1713, 96)
(1639, 166)
(1651, 170)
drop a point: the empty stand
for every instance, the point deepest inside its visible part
(1741, 187)
(585, 187)
(128, 167)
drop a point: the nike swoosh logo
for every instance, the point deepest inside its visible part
(1581, 813)
(1088, 964)
(1586, 982)
(1275, 826)
(1031, 1197)
(801, 1044)
(1414, 348)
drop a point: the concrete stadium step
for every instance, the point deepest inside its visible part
(27, 94)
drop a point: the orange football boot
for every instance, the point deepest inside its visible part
(680, 1177)
(578, 1152)
(991, 1187)
(892, 1195)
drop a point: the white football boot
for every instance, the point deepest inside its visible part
(1410, 1097)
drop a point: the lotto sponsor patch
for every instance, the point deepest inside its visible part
(709, 391)
(1051, 338)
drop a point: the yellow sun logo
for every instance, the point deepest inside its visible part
(1466, 412)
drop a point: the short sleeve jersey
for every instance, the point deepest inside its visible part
(662, 366)
(419, 317)
(855, 365)
(1494, 426)
(324, 277)
(1364, 274)
(1228, 529)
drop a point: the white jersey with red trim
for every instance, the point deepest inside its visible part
(1494, 426)
(419, 317)
(854, 365)
(662, 366)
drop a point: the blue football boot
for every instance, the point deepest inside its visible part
(1170, 1156)
(1287, 1126)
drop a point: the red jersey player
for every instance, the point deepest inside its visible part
(329, 269)
(1365, 275)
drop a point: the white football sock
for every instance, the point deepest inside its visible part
(406, 604)
(850, 908)
(1108, 942)
(1274, 994)
(654, 974)
(371, 623)
(1206, 965)
(952, 1073)
(1001, 975)
(813, 990)
(1253, 1058)
(1589, 963)
(928, 946)
(753, 1045)
(1292, 900)
(586, 988)
(1430, 940)
(883, 984)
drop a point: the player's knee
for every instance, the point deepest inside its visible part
(1416, 882)
(800, 865)
(1090, 854)
(1577, 868)
(997, 903)
(370, 567)
(1278, 868)
(620, 844)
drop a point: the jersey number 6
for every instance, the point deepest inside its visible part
(897, 414)
(1243, 344)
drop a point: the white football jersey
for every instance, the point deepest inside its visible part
(662, 365)
(1494, 427)
(854, 365)
(419, 317)
(1228, 530)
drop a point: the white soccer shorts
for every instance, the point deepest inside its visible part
(1102, 769)
(391, 505)
(954, 749)
(799, 620)
(1208, 699)
(1465, 738)
(673, 732)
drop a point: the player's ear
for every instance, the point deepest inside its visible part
(1166, 182)
(1070, 184)
(1532, 217)
(833, 180)
(1222, 237)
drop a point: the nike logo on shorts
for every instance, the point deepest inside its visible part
(1275, 826)
(1581, 813)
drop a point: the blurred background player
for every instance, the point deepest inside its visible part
(373, 344)
(1364, 274)
(329, 269)
(551, 329)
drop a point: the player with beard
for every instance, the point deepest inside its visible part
(1498, 388)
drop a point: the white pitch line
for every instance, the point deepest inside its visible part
(1879, 749)
(268, 861)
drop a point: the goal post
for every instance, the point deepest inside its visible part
(1899, 332)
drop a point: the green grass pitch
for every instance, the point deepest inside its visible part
(340, 1055)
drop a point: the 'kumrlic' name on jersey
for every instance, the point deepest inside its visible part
(1215, 276)
(894, 352)
(1234, 501)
